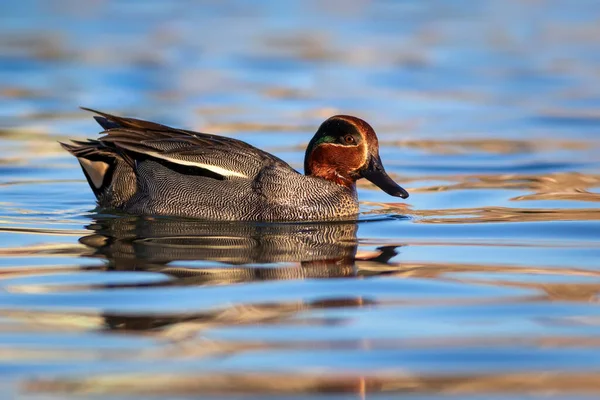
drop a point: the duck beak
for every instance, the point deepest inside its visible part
(376, 174)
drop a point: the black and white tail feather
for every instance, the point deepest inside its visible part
(97, 162)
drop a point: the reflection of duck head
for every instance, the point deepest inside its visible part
(161, 244)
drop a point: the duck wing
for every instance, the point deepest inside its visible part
(192, 152)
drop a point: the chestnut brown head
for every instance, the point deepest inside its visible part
(345, 149)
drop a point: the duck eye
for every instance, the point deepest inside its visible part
(349, 139)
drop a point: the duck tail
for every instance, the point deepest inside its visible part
(111, 178)
(109, 121)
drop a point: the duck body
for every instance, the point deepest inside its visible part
(144, 168)
(276, 192)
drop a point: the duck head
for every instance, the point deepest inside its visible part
(345, 149)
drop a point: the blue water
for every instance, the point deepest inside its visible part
(483, 284)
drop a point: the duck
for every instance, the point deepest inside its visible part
(145, 168)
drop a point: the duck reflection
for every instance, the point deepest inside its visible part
(196, 252)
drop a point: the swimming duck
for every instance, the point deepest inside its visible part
(145, 168)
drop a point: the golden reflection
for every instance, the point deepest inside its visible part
(45, 321)
(237, 127)
(15, 92)
(42, 250)
(313, 46)
(580, 292)
(533, 382)
(486, 145)
(43, 231)
(557, 186)
(186, 328)
(489, 214)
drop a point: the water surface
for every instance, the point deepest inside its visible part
(484, 283)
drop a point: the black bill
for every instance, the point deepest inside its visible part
(376, 174)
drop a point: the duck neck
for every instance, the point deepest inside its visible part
(325, 163)
(331, 174)
(335, 177)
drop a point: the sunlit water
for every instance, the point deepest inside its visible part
(484, 282)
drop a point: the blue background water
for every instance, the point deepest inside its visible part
(484, 282)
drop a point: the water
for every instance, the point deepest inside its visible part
(484, 283)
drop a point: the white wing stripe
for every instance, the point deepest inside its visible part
(212, 168)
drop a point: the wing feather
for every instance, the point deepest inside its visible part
(230, 158)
